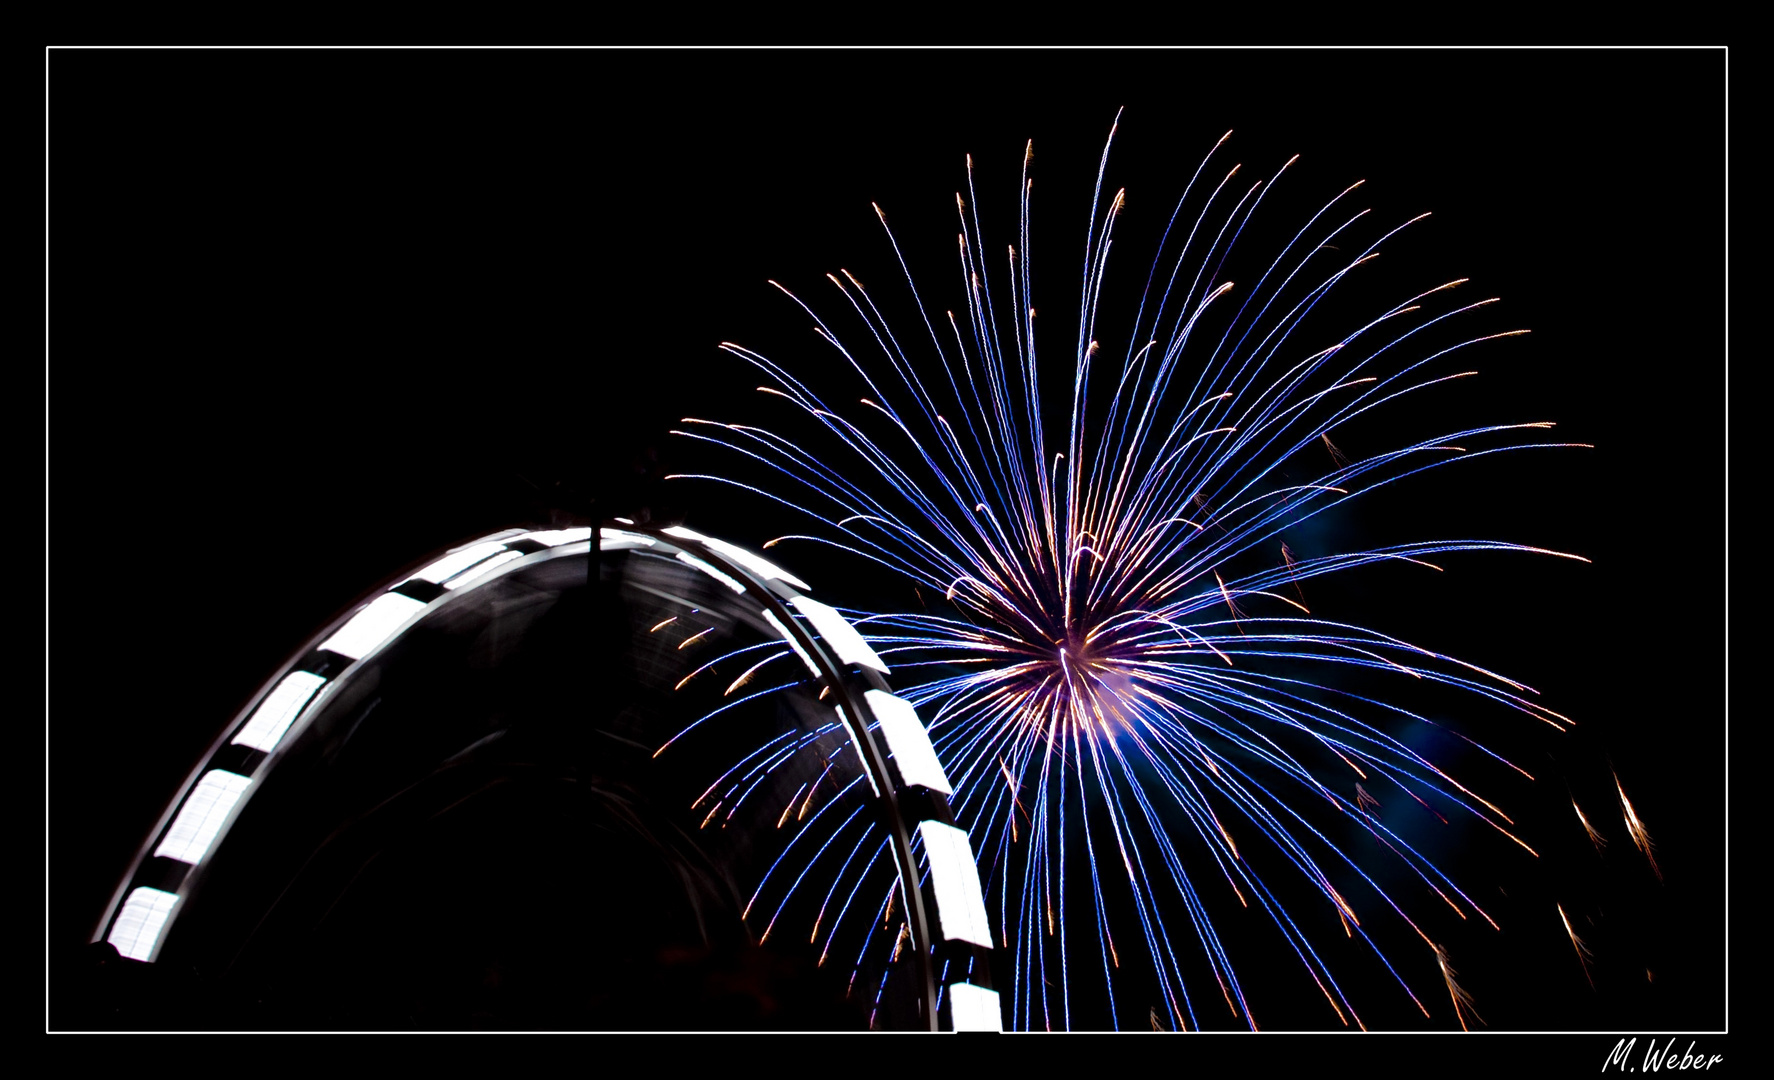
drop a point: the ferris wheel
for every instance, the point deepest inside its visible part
(623, 778)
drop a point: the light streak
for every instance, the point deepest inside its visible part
(1584, 956)
(1635, 828)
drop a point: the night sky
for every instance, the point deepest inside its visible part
(314, 315)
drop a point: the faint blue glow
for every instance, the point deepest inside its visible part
(136, 933)
(960, 908)
(279, 709)
(839, 634)
(974, 1008)
(375, 624)
(201, 819)
(908, 741)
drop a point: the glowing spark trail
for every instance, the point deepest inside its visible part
(1139, 714)
(1584, 956)
(1461, 999)
(1636, 829)
(1595, 838)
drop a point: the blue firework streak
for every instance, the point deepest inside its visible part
(1139, 713)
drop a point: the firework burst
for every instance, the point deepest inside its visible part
(1146, 724)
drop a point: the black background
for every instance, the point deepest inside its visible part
(316, 314)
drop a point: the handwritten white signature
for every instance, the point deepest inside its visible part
(1656, 1060)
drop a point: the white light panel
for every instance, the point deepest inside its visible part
(839, 634)
(960, 908)
(908, 741)
(793, 644)
(974, 1008)
(725, 579)
(202, 816)
(375, 624)
(457, 561)
(557, 537)
(136, 932)
(856, 735)
(618, 539)
(279, 709)
(480, 568)
(757, 564)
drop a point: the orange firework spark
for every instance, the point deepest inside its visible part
(1584, 956)
(1636, 829)
(1287, 556)
(1461, 999)
(1595, 838)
